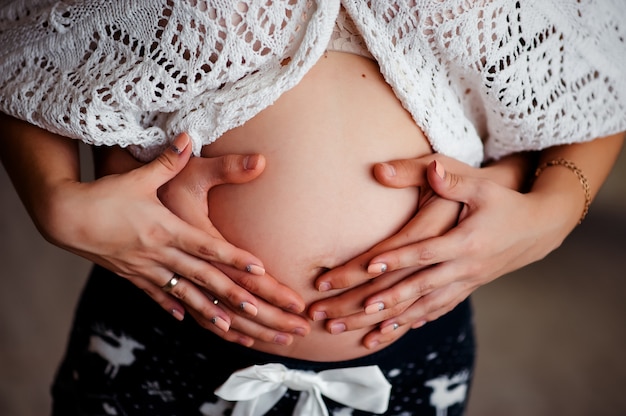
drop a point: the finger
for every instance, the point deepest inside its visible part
(397, 252)
(427, 309)
(376, 338)
(167, 302)
(233, 168)
(267, 287)
(203, 173)
(434, 219)
(197, 300)
(169, 163)
(362, 320)
(425, 253)
(351, 302)
(409, 289)
(402, 173)
(202, 245)
(452, 186)
(232, 335)
(264, 326)
(209, 278)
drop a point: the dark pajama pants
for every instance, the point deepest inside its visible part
(127, 356)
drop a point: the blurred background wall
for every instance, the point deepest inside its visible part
(552, 336)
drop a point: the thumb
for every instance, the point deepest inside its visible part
(450, 185)
(231, 168)
(170, 162)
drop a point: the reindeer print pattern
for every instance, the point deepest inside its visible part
(116, 350)
(154, 365)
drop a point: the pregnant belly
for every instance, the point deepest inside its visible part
(317, 204)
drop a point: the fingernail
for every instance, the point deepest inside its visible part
(255, 269)
(374, 308)
(376, 268)
(337, 328)
(248, 308)
(389, 328)
(281, 339)
(390, 170)
(292, 307)
(245, 341)
(299, 331)
(177, 314)
(324, 287)
(319, 316)
(373, 344)
(250, 162)
(440, 170)
(418, 324)
(180, 143)
(220, 323)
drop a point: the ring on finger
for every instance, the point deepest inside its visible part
(169, 286)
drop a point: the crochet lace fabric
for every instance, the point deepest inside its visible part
(481, 78)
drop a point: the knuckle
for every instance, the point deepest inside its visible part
(210, 252)
(426, 255)
(155, 234)
(248, 282)
(166, 162)
(424, 287)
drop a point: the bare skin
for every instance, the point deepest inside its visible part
(50, 191)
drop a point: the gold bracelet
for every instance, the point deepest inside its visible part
(581, 177)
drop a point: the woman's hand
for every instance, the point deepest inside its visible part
(427, 275)
(119, 222)
(186, 195)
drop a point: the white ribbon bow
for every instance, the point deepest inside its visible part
(258, 388)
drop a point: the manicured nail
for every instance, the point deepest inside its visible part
(390, 170)
(337, 328)
(180, 143)
(245, 341)
(324, 287)
(373, 344)
(299, 331)
(177, 314)
(374, 308)
(248, 308)
(418, 324)
(376, 268)
(255, 269)
(319, 316)
(250, 162)
(389, 328)
(281, 339)
(220, 323)
(292, 307)
(440, 170)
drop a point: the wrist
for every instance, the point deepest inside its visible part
(560, 198)
(511, 171)
(53, 209)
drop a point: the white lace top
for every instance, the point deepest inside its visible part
(482, 78)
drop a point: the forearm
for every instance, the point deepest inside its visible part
(38, 162)
(511, 171)
(560, 191)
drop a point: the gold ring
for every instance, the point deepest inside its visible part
(169, 286)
